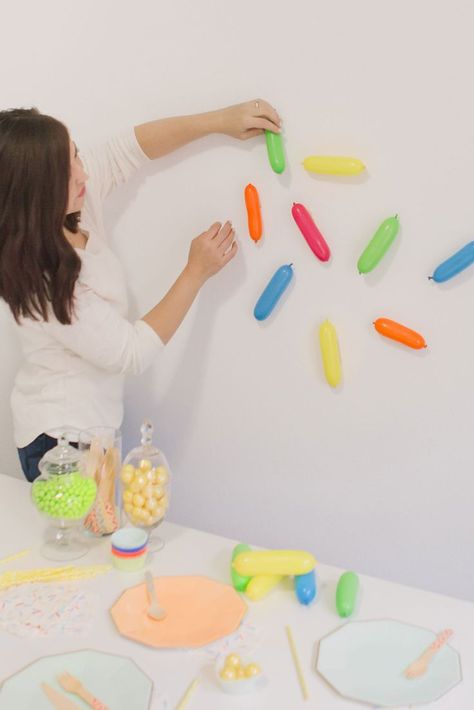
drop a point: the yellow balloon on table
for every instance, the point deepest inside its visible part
(333, 165)
(273, 562)
(261, 585)
(330, 353)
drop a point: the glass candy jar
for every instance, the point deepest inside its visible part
(145, 481)
(64, 496)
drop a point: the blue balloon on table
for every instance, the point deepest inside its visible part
(455, 264)
(273, 291)
(305, 587)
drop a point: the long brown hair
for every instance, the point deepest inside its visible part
(38, 266)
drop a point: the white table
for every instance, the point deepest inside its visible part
(188, 551)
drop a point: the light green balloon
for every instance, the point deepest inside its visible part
(378, 245)
(276, 154)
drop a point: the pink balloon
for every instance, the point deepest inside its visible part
(310, 232)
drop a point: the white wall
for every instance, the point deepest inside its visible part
(378, 476)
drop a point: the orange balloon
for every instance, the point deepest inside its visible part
(396, 331)
(252, 203)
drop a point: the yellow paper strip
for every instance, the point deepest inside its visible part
(50, 574)
(296, 661)
(16, 556)
(186, 697)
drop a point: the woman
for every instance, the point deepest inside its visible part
(63, 285)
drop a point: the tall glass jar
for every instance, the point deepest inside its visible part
(101, 450)
(145, 479)
(64, 495)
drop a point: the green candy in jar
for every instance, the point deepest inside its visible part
(62, 492)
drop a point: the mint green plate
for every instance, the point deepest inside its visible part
(366, 660)
(115, 680)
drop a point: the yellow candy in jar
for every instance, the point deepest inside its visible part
(151, 476)
(161, 475)
(232, 661)
(145, 465)
(146, 518)
(138, 500)
(151, 504)
(141, 480)
(128, 508)
(252, 669)
(135, 486)
(127, 474)
(165, 502)
(159, 512)
(228, 673)
(158, 491)
(148, 491)
(128, 495)
(136, 512)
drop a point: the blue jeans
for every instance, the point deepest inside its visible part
(31, 455)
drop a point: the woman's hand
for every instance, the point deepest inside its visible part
(211, 251)
(249, 119)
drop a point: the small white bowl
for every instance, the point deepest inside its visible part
(245, 685)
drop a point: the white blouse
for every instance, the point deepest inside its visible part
(73, 375)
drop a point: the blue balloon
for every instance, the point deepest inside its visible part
(305, 587)
(456, 263)
(273, 292)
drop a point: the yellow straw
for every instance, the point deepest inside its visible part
(50, 574)
(16, 556)
(185, 699)
(296, 661)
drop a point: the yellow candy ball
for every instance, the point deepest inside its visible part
(165, 502)
(145, 465)
(128, 496)
(159, 512)
(252, 669)
(161, 475)
(151, 476)
(240, 673)
(136, 512)
(135, 486)
(228, 673)
(141, 480)
(151, 504)
(232, 661)
(127, 474)
(128, 508)
(158, 491)
(138, 500)
(148, 491)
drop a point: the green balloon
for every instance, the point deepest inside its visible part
(346, 593)
(238, 581)
(378, 245)
(276, 154)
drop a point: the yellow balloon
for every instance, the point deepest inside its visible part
(333, 165)
(330, 353)
(260, 585)
(253, 562)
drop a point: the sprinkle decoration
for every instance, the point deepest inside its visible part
(44, 610)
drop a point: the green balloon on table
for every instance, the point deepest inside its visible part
(378, 245)
(346, 594)
(239, 581)
(276, 153)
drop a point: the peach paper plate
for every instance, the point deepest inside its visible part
(199, 611)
